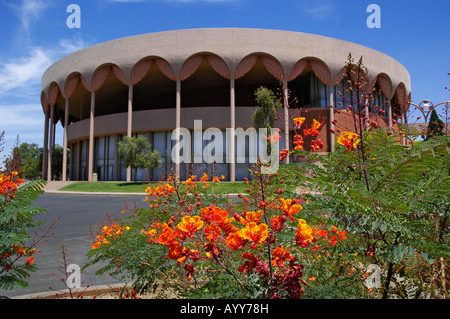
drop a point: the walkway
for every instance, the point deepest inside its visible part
(52, 186)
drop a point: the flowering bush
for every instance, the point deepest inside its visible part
(370, 204)
(17, 247)
(260, 243)
(392, 200)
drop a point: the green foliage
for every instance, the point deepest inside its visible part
(57, 162)
(136, 152)
(130, 257)
(134, 259)
(265, 113)
(402, 214)
(16, 222)
(435, 126)
(31, 156)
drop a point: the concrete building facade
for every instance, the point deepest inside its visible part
(151, 84)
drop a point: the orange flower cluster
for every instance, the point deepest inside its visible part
(283, 154)
(213, 231)
(189, 225)
(304, 235)
(313, 131)
(298, 142)
(161, 190)
(307, 235)
(171, 236)
(108, 233)
(255, 233)
(20, 251)
(274, 137)
(214, 225)
(349, 140)
(316, 145)
(191, 181)
(280, 255)
(204, 179)
(9, 183)
(217, 179)
(290, 207)
(298, 121)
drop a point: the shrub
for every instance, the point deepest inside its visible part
(17, 246)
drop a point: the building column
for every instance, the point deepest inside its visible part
(331, 105)
(116, 174)
(50, 148)
(286, 118)
(232, 156)
(66, 122)
(45, 150)
(130, 122)
(177, 127)
(389, 115)
(78, 161)
(91, 137)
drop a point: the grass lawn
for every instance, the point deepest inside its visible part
(131, 187)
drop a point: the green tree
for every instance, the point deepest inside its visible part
(57, 162)
(265, 113)
(31, 155)
(435, 126)
(136, 152)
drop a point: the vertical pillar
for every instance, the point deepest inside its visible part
(70, 164)
(331, 104)
(66, 122)
(91, 137)
(177, 126)
(286, 118)
(116, 175)
(231, 138)
(45, 150)
(50, 148)
(389, 115)
(130, 122)
(78, 161)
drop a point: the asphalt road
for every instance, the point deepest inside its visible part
(77, 214)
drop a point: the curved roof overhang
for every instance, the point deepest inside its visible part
(230, 51)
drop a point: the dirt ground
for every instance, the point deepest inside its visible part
(110, 292)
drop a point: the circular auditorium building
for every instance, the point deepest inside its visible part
(151, 84)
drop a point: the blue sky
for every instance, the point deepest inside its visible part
(34, 34)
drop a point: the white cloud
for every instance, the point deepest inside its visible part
(29, 11)
(20, 116)
(67, 46)
(25, 121)
(20, 76)
(24, 72)
(23, 75)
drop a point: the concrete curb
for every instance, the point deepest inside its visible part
(94, 193)
(114, 194)
(87, 291)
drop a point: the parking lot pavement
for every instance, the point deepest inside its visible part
(77, 215)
